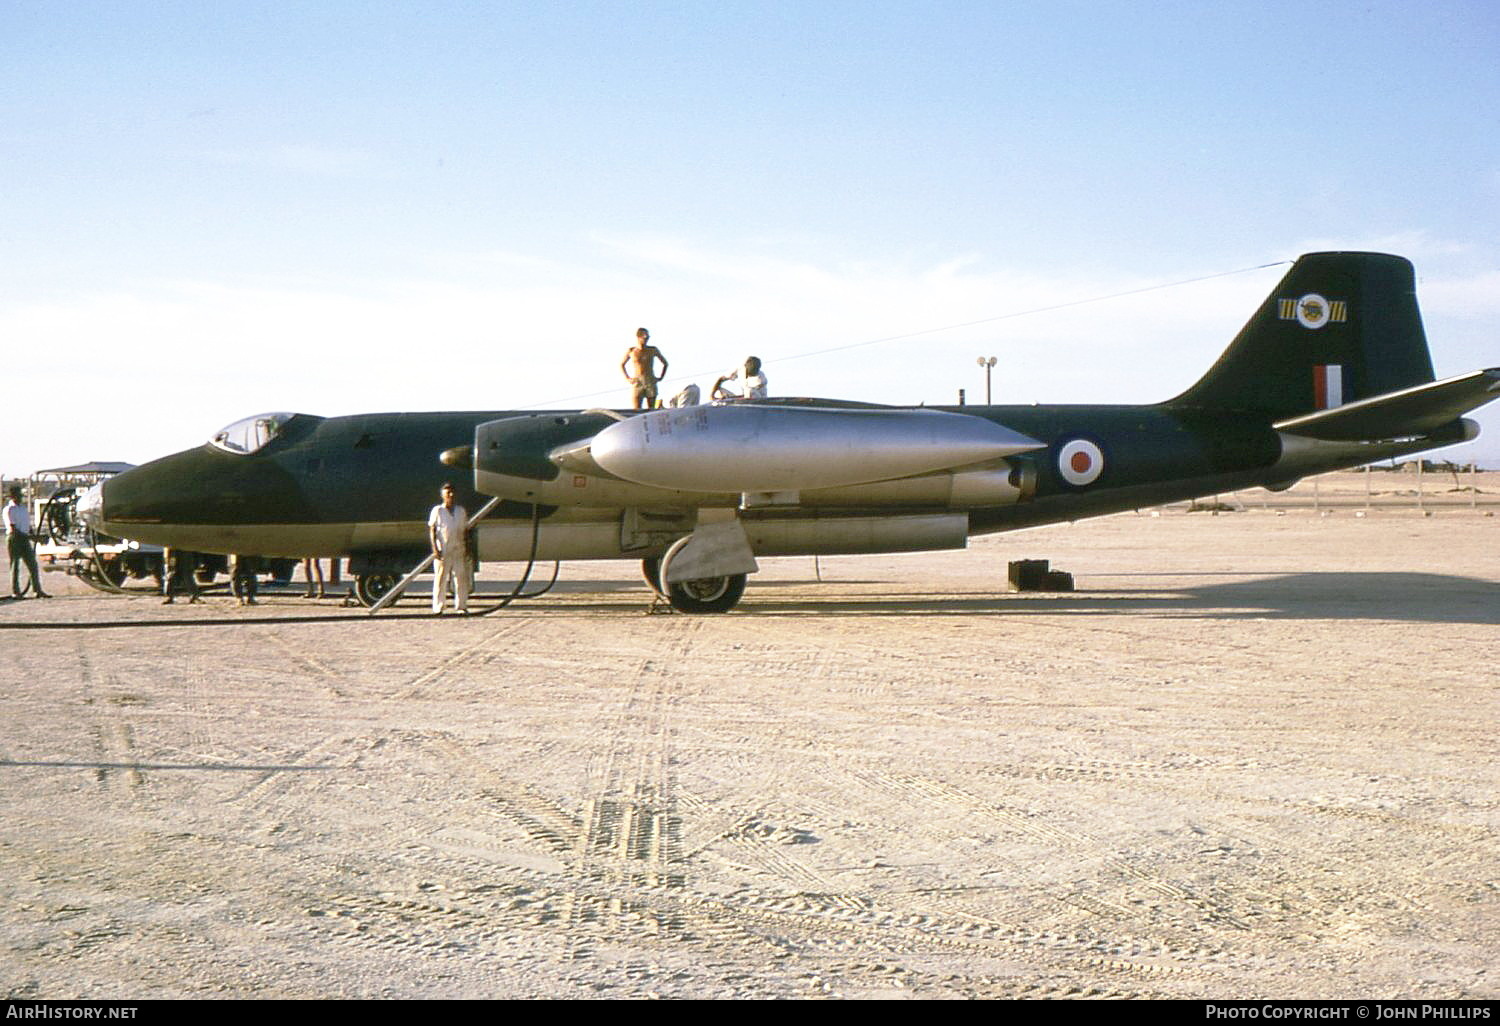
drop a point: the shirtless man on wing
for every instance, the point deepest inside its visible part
(639, 368)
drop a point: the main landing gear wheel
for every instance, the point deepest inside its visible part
(707, 594)
(703, 595)
(371, 588)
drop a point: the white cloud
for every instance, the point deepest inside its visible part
(1470, 296)
(130, 375)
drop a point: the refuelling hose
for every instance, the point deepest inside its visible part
(516, 593)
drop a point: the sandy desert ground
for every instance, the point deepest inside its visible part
(1253, 755)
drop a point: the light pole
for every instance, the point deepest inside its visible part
(988, 365)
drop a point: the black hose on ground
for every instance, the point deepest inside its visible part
(516, 592)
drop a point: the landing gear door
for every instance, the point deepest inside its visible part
(647, 529)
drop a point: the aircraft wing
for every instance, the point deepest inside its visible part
(1408, 412)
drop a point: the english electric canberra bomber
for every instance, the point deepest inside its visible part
(1332, 371)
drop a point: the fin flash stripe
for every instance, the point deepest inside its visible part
(1328, 386)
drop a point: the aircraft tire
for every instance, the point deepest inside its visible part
(371, 588)
(707, 595)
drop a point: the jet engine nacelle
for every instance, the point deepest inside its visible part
(521, 458)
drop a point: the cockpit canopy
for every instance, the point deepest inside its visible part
(251, 434)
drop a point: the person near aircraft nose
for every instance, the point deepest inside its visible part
(754, 381)
(18, 546)
(639, 368)
(243, 579)
(178, 575)
(447, 526)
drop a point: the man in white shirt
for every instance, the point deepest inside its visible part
(447, 525)
(755, 381)
(18, 546)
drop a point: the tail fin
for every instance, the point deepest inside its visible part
(1339, 328)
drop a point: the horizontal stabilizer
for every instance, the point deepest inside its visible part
(1408, 412)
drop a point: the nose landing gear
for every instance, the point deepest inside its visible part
(371, 588)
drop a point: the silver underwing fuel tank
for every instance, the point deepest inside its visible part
(755, 447)
(757, 455)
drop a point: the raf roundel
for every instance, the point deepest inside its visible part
(1080, 462)
(1312, 311)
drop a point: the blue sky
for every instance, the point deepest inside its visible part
(211, 210)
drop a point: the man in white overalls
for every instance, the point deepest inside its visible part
(446, 526)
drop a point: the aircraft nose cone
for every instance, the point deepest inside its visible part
(90, 508)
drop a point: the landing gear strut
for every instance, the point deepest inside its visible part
(651, 571)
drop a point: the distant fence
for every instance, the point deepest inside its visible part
(1424, 487)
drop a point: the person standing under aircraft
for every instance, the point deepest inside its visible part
(179, 574)
(447, 525)
(755, 381)
(313, 568)
(639, 368)
(18, 546)
(243, 581)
